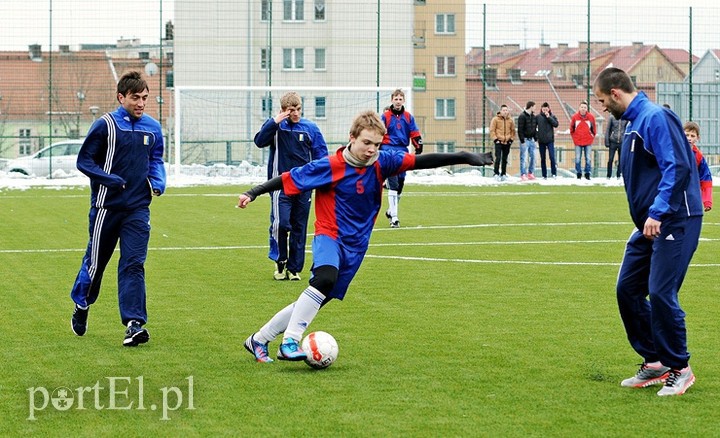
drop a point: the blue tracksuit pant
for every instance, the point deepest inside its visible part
(656, 269)
(288, 228)
(132, 229)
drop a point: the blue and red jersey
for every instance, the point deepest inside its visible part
(347, 198)
(401, 128)
(706, 184)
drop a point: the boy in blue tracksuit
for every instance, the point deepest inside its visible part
(663, 192)
(293, 141)
(122, 156)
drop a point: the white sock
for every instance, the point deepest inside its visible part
(393, 204)
(306, 307)
(275, 326)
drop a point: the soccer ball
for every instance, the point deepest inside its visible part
(321, 349)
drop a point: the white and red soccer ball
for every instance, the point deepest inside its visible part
(321, 349)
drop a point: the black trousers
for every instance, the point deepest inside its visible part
(614, 147)
(501, 157)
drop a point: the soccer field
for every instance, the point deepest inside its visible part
(491, 312)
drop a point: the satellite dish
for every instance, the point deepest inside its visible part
(151, 69)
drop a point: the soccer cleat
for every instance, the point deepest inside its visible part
(135, 335)
(293, 276)
(395, 224)
(677, 382)
(648, 374)
(290, 350)
(260, 351)
(78, 323)
(280, 273)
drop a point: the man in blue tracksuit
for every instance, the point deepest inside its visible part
(122, 156)
(663, 191)
(293, 141)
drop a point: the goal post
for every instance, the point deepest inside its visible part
(217, 124)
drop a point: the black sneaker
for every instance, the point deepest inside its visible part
(135, 335)
(78, 323)
(587, 176)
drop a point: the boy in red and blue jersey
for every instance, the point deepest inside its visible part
(692, 133)
(401, 130)
(348, 198)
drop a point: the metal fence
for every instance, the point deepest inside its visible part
(60, 60)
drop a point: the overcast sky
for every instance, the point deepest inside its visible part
(620, 22)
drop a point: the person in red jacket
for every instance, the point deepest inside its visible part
(583, 131)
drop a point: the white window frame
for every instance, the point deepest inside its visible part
(445, 146)
(264, 59)
(319, 9)
(442, 108)
(320, 66)
(297, 59)
(321, 107)
(444, 63)
(265, 11)
(443, 22)
(296, 11)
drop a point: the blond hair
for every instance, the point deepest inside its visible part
(290, 99)
(367, 120)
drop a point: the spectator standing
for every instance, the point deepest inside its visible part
(527, 134)
(546, 124)
(613, 141)
(692, 133)
(122, 155)
(502, 133)
(583, 131)
(401, 132)
(293, 141)
(663, 191)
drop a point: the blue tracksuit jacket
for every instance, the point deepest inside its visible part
(676, 189)
(121, 150)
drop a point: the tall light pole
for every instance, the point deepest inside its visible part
(81, 98)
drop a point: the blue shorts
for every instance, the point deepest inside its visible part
(328, 252)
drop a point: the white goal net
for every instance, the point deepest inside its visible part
(216, 125)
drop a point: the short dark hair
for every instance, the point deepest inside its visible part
(545, 105)
(613, 77)
(132, 82)
(530, 104)
(503, 106)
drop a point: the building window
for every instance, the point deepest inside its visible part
(293, 10)
(265, 12)
(264, 59)
(445, 66)
(319, 59)
(25, 146)
(293, 59)
(267, 105)
(445, 23)
(320, 108)
(444, 108)
(445, 146)
(319, 10)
